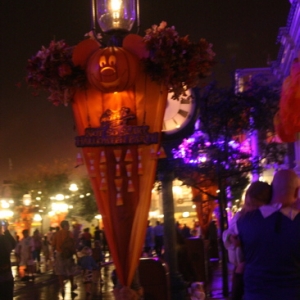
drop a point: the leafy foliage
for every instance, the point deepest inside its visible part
(52, 69)
(176, 61)
(261, 96)
(84, 202)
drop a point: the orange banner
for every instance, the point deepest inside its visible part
(122, 190)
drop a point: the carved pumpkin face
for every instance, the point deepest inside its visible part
(112, 69)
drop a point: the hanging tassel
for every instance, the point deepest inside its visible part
(102, 157)
(103, 184)
(92, 171)
(161, 153)
(117, 153)
(102, 169)
(130, 187)
(153, 153)
(140, 169)
(118, 170)
(118, 183)
(140, 150)
(91, 155)
(119, 201)
(128, 156)
(129, 170)
(79, 160)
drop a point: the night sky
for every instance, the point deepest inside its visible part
(33, 131)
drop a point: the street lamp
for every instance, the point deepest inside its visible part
(115, 17)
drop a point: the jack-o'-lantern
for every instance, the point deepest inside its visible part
(112, 69)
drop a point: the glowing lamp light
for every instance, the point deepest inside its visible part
(99, 217)
(59, 197)
(73, 187)
(153, 214)
(51, 213)
(37, 218)
(116, 15)
(6, 214)
(185, 214)
(4, 204)
(27, 199)
(59, 207)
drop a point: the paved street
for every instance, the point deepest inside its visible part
(45, 287)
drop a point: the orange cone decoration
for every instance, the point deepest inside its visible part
(119, 129)
(79, 160)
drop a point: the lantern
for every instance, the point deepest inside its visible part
(112, 69)
(116, 15)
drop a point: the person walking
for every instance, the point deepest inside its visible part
(270, 241)
(64, 245)
(149, 240)
(37, 241)
(87, 237)
(46, 251)
(257, 195)
(97, 234)
(26, 254)
(7, 243)
(17, 252)
(186, 231)
(158, 238)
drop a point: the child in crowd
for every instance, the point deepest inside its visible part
(26, 248)
(88, 265)
(258, 194)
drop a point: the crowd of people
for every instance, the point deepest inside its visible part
(263, 242)
(65, 250)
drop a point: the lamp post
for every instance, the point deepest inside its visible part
(115, 18)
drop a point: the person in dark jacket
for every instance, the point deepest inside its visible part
(270, 240)
(7, 244)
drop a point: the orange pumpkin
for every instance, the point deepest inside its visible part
(112, 69)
